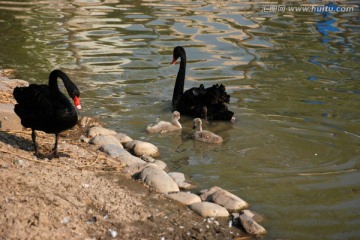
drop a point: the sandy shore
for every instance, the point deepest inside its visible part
(85, 195)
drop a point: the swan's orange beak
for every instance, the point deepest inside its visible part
(77, 102)
(173, 61)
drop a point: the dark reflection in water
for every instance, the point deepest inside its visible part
(293, 77)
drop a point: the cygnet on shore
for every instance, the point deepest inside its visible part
(162, 126)
(204, 135)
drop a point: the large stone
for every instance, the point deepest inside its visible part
(97, 131)
(140, 148)
(250, 226)
(208, 209)
(179, 178)
(224, 198)
(113, 150)
(123, 138)
(9, 121)
(101, 140)
(185, 198)
(128, 159)
(160, 164)
(134, 170)
(87, 122)
(158, 179)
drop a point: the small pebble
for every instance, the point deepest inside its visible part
(112, 233)
(65, 220)
(91, 220)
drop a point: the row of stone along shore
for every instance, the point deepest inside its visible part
(139, 159)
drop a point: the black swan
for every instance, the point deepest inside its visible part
(46, 108)
(200, 102)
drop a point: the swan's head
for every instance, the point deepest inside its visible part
(176, 115)
(178, 52)
(197, 124)
(75, 95)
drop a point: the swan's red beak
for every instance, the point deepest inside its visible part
(77, 102)
(173, 61)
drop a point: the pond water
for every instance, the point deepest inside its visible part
(293, 152)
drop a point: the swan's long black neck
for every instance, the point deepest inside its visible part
(179, 84)
(69, 85)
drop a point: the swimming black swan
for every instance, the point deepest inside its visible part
(209, 103)
(204, 135)
(46, 108)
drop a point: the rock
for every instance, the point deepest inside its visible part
(88, 122)
(7, 85)
(140, 148)
(147, 159)
(185, 198)
(250, 226)
(255, 216)
(224, 198)
(158, 179)
(134, 170)
(123, 138)
(97, 131)
(113, 150)
(179, 178)
(100, 140)
(185, 186)
(9, 121)
(160, 164)
(7, 73)
(128, 159)
(208, 209)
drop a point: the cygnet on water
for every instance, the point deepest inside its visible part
(204, 135)
(162, 126)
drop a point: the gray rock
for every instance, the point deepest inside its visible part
(185, 198)
(9, 121)
(100, 140)
(123, 138)
(134, 169)
(97, 131)
(87, 122)
(140, 148)
(254, 215)
(128, 159)
(147, 159)
(185, 186)
(113, 150)
(158, 179)
(224, 198)
(160, 164)
(251, 227)
(179, 178)
(208, 209)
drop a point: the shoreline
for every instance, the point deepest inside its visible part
(86, 194)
